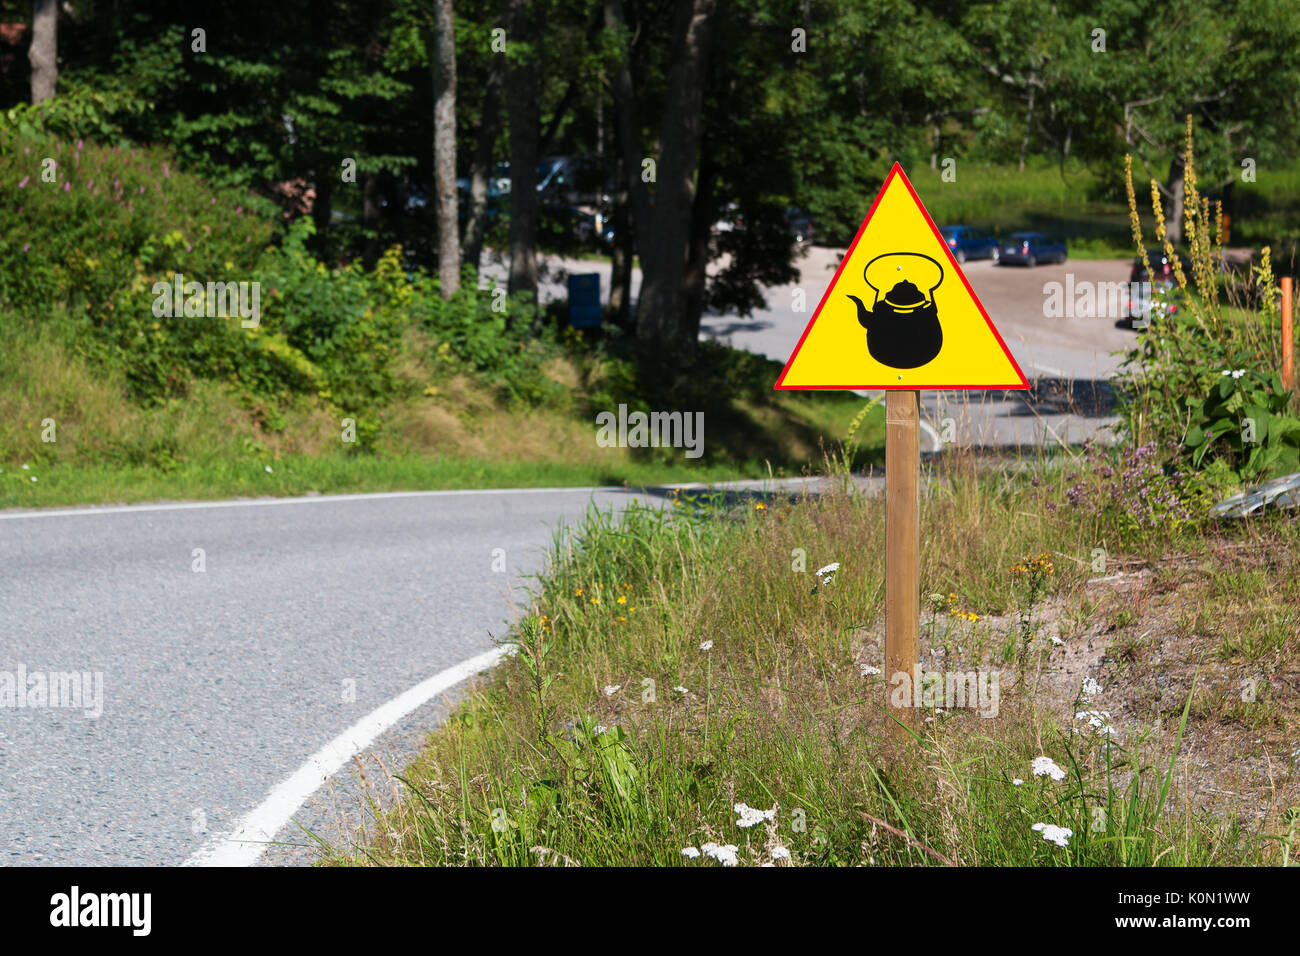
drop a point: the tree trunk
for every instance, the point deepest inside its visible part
(1174, 209)
(481, 172)
(370, 219)
(695, 284)
(634, 207)
(623, 250)
(1029, 122)
(43, 54)
(524, 112)
(660, 306)
(444, 147)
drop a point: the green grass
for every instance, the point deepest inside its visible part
(217, 442)
(613, 737)
(341, 474)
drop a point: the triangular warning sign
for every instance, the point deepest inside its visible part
(899, 312)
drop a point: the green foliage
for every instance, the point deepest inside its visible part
(1243, 420)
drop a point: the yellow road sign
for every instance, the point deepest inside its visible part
(900, 313)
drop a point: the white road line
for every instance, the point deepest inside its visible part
(934, 435)
(305, 500)
(249, 840)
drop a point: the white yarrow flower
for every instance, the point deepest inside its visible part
(1090, 686)
(1016, 782)
(752, 816)
(1054, 834)
(869, 671)
(690, 852)
(726, 855)
(681, 690)
(268, 469)
(829, 569)
(612, 689)
(706, 646)
(1046, 767)
(780, 853)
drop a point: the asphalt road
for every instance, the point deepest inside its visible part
(218, 685)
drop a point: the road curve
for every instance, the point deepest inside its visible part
(218, 685)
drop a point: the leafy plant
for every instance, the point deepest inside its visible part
(1244, 420)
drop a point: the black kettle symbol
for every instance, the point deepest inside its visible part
(902, 326)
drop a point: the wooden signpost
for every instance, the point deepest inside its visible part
(900, 315)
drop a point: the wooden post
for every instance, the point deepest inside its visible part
(1288, 339)
(902, 550)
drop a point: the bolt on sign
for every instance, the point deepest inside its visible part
(900, 315)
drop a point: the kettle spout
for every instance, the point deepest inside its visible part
(864, 314)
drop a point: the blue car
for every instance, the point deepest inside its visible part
(967, 243)
(1030, 248)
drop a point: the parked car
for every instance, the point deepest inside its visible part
(967, 243)
(1165, 294)
(799, 223)
(1030, 248)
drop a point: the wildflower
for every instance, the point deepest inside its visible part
(1016, 782)
(600, 729)
(829, 569)
(67, 186)
(612, 689)
(1057, 641)
(622, 599)
(1090, 686)
(26, 247)
(724, 854)
(578, 592)
(1054, 834)
(268, 469)
(1098, 720)
(681, 690)
(595, 600)
(690, 852)
(22, 183)
(752, 816)
(33, 478)
(869, 671)
(706, 646)
(780, 853)
(1235, 373)
(760, 507)
(27, 467)
(1046, 767)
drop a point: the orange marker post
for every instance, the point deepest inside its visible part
(1288, 340)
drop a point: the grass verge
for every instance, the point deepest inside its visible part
(688, 691)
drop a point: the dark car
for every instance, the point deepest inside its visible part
(1030, 248)
(967, 243)
(571, 181)
(1155, 292)
(799, 223)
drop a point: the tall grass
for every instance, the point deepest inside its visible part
(686, 660)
